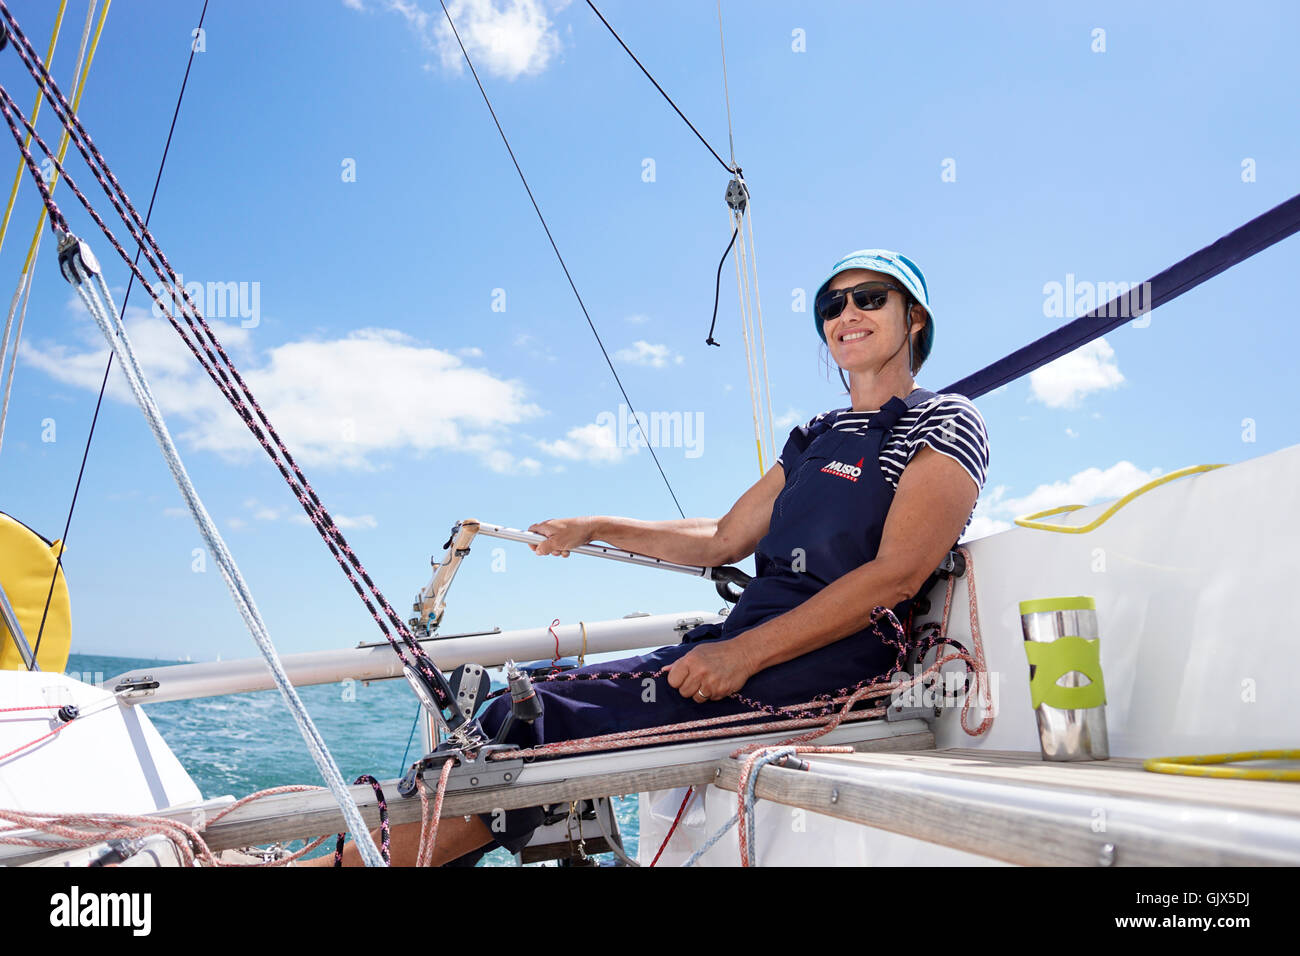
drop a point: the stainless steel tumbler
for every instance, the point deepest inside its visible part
(1065, 682)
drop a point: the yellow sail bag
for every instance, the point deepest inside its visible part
(27, 563)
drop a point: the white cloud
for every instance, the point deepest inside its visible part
(789, 419)
(505, 38)
(1063, 382)
(353, 4)
(500, 459)
(591, 443)
(344, 402)
(637, 319)
(470, 351)
(651, 356)
(533, 346)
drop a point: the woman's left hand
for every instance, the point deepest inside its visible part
(711, 671)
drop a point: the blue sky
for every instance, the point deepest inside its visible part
(412, 403)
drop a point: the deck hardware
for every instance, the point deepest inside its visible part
(952, 566)
(132, 686)
(737, 196)
(791, 762)
(76, 259)
(835, 794)
(468, 773)
(471, 684)
(117, 852)
(1107, 855)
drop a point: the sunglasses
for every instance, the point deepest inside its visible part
(867, 296)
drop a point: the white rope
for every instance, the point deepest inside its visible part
(758, 311)
(24, 290)
(750, 364)
(115, 332)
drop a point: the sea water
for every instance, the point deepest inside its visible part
(242, 743)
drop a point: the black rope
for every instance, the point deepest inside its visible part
(58, 565)
(717, 287)
(567, 275)
(657, 87)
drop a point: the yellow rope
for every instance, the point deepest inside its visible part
(1195, 765)
(762, 338)
(63, 140)
(751, 360)
(36, 111)
(582, 657)
(1028, 520)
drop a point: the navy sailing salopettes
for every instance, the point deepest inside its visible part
(827, 520)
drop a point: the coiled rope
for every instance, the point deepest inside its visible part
(88, 829)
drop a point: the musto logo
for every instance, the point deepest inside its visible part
(851, 472)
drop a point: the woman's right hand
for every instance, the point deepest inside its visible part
(563, 534)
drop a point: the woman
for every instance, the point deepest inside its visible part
(861, 507)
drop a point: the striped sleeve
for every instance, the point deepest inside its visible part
(952, 425)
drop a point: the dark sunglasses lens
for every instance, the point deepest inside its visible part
(830, 304)
(868, 300)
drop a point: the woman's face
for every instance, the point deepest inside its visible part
(866, 340)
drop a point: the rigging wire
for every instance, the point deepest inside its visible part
(726, 94)
(216, 369)
(36, 112)
(745, 253)
(698, 134)
(26, 276)
(751, 312)
(556, 248)
(108, 365)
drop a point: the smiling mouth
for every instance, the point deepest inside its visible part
(854, 336)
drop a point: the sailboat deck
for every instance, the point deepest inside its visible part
(1016, 807)
(1118, 776)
